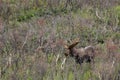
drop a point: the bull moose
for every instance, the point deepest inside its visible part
(80, 55)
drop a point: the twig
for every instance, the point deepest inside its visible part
(96, 12)
(58, 56)
(62, 67)
(26, 38)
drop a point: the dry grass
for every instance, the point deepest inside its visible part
(31, 37)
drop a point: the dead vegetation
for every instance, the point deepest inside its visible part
(33, 35)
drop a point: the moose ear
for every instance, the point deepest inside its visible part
(66, 47)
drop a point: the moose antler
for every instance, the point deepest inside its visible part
(75, 42)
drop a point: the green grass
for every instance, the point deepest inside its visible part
(35, 34)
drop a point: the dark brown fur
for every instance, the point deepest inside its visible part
(82, 54)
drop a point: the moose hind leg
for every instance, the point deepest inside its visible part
(87, 59)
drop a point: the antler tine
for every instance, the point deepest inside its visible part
(66, 44)
(75, 42)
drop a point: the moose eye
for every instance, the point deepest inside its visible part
(66, 54)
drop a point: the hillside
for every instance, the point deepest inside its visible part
(33, 33)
